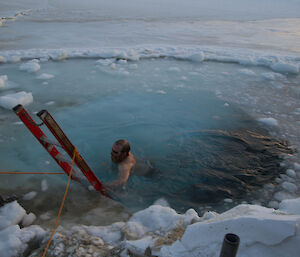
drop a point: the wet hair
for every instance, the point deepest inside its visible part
(125, 145)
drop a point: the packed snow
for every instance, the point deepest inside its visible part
(255, 35)
(163, 232)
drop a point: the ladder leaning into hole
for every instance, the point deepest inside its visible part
(63, 142)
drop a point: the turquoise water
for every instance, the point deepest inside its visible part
(204, 148)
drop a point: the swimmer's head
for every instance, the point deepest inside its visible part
(120, 150)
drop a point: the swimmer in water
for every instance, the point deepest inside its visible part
(127, 164)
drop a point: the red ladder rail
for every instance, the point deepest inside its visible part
(40, 136)
(63, 141)
(66, 144)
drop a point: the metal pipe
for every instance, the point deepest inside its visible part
(230, 245)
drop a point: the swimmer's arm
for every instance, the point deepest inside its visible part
(124, 172)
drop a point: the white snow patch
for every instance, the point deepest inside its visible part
(11, 100)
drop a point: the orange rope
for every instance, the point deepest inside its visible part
(16, 172)
(62, 203)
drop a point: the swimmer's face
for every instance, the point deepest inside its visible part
(116, 154)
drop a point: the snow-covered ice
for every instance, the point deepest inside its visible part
(30, 66)
(11, 100)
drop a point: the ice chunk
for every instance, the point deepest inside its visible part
(110, 234)
(10, 245)
(284, 67)
(197, 57)
(273, 204)
(11, 214)
(297, 166)
(280, 196)
(3, 80)
(289, 187)
(44, 185)
(106, 62)
(29, 196)
(272, 76)
(269, 121)
(59, 56)
(161, 202)
(2, 59)
(291, 206)
(11, 100)
(31, 66)
(291, 173)
(163, 219)
(247, 72)
(45, 216)
(45, 76)
(139, 247)
(162, 92)
(28, 220)
(261, 230)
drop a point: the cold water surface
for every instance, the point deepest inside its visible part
(204, 149)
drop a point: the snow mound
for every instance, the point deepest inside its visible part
(11, 100)
(14, 241)
(162, 219)
(30, 66)
(261, 230)
(11, 214)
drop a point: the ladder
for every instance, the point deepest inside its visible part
(63, 142)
